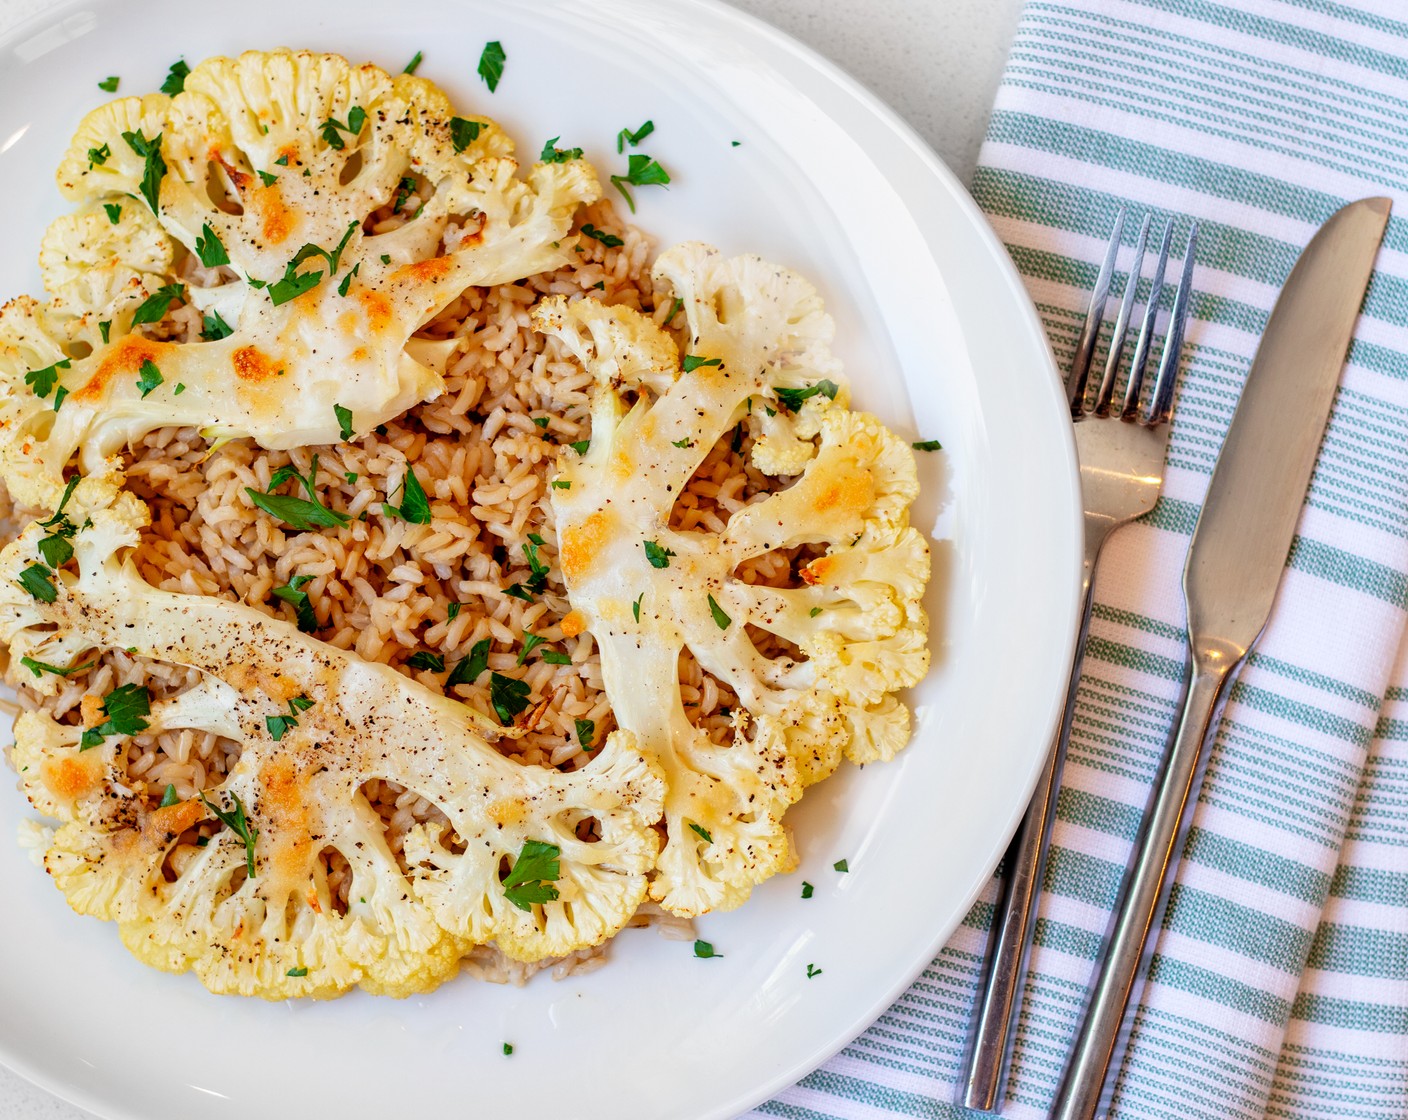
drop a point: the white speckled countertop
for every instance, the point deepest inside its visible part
(937, 62)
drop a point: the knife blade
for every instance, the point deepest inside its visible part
(1235, 560)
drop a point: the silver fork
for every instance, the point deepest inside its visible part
(1121, 472)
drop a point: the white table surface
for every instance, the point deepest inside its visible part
(937, 62)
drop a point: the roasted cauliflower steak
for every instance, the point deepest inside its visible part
(758, 356)
(251, 912)
(267, 168)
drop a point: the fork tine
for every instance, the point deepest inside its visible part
(1140, 362)
(1099, 296)
(1121, 331)
(1161, 407)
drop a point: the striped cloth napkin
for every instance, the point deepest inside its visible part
(1280, 983)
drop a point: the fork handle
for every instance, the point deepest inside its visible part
(1086, 1087)
(1015, 915)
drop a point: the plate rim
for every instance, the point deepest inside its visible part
(1032, 327)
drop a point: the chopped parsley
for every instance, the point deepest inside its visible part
(282, 161)
(530, 879)
(658, 557)
(268, 178)
(464, 132)
(508, 1049)
(292, 284)
(553, 154)
(98, 156)
(424, 659)
(297, 973)
(404, 189)
(814, 612)
(586, 733)
(154, 169)
(214, 328)
(705, 951)
(350, 476)
(415, 506)
(109, 84)
(468, 670)
(927, 445)
(39, 582)
(180, 388)
(385, 258)
(293, 594)
(841, 865)
(124, 706)
(279, 725)
(807, 889)
(540, 421)
(210, 249)
(580, 447)
(297, 513)
(39, 668)
(556, 657)
(812, 970)
(518, 591)
(791, 399)
(344, 421)
(330, 128)
(675, 308)
(42, 381)
(692, 362)
(735, 143)
(491, 64)
(59, 397)
(55, 548)
(530, 643)
(452, 612)
(149, 377)
(175, 78)
(561, 484)
(414, 64)
(721, 620)
(153, 309)
(103, 328)
(113, 211)
(508, 696)
(626, 136)
(238, 823)
(346, 285)
(635, 607)
(642, 171)
(702, 832)
(681, 443)
(607, 239)
(169, 798)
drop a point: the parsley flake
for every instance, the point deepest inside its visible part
(508, 1049)
(452, 612)
(344, 420)
(238, 823)
(658, 557)
(721, 620)
(297, 973)
(346, 285)
(98, 156)
(553, 154)
(705, 951)
(414, 64)
(268, 178)
(175, 78)
(607, 239)
(415, 506)
(469, 669)
(180, 388)
(807, 889)
(464, 132)
(635, 607)
(424, 659)
(279, 726)
(681, 443)
(113, 211)
(791, 399)
(154, 169)
(491, 64)
(586, 732)
(927, 445)
(293, 594)
(124, 706)
(626, 136)
(692, 362)
(169, 798)
(42, 381)
(561, 484)
(153, 309)
(109, 84)
(556, 657)
(702, 832)
(530, 643)
(641, 171)
(149, 377)
(214, 328)
(675, 308)
(812, 970)
(508, 696)
(39, 582)
(580, 447)
(814, 612)
(39, 668)
(103, 328)
(841, 865)
(297, 513)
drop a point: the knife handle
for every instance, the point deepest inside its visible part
(1086, 1087)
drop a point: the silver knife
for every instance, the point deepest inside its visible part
(1238, 551)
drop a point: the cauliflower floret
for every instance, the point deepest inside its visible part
(270, 166)
(758, 342)
(252, 912)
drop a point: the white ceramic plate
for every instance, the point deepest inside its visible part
(938, 338)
